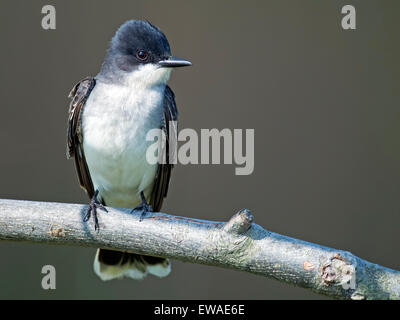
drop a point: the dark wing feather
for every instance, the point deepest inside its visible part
(79, 94)
(163, 176)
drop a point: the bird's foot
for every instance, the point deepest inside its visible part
(93, 206)
(143, 208)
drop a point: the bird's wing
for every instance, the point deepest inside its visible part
(163, 175)
(79, 94)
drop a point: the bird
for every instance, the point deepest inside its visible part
(109, 117)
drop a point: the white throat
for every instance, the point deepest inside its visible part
(147, 76)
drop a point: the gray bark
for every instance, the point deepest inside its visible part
(239, 244)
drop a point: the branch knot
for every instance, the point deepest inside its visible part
(340, 271)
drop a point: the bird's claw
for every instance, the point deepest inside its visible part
(143, 209)
(93, 206)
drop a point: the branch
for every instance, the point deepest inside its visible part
(239, 244)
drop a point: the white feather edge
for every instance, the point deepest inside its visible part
(159, 270)
(107, 273)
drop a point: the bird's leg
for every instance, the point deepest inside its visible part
(144, 207)
(93, 206)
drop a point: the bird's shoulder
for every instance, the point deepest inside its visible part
(78, 95)
(170, 126)
(170, 108)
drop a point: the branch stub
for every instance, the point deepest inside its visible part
(240, 222)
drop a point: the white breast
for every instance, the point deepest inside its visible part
(115, 122)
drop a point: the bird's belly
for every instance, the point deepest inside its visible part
(121, 179)
(119, 171)
(117, 162)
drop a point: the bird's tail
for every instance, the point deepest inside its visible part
(109, 264)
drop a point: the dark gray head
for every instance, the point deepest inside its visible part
(136, 44)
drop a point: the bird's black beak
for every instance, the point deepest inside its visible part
(174, 62)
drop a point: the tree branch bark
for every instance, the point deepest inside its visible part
(239, 244)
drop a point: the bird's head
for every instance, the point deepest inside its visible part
(140, 49)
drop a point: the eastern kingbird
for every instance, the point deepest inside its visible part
(109, 117)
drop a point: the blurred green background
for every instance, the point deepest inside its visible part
(324, 104)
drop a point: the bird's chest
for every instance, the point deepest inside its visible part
(115, 123)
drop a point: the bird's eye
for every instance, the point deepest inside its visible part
(142, 55)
